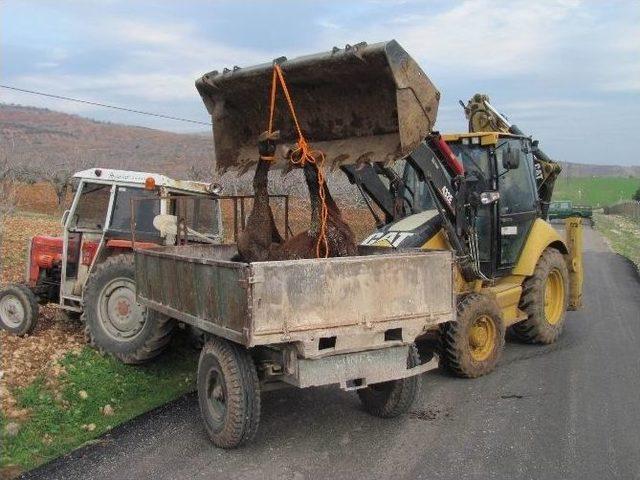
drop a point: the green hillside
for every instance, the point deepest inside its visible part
(595, 191)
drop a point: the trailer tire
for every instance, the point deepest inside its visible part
(18, 309)
(393, 398)
(473, 344)
(545, 298)
(228, 393)
(114, 322)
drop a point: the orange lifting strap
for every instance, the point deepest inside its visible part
(302, 154)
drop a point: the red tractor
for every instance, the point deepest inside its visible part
(89, 270)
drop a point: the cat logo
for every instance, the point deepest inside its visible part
(538, 168)
(389, 239)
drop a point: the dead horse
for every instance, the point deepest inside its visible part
(340, 238)
(260, 235)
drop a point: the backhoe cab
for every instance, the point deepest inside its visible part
(495, 209)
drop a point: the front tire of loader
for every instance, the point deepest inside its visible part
(473, 344)
(115, 322)
(18, 309)
(228, 393)
(393, 398)
(545, 297)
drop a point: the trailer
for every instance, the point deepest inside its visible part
(350, 321)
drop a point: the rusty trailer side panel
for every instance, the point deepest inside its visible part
(357, 303)
(198, 285)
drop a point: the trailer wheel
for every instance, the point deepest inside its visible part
(115, 322)
(228, 393)
(18, 309)
(394, 398)
(545, 297)
(473, 344)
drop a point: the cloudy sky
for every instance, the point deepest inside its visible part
(566, 71)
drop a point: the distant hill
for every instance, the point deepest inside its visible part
(45, 140)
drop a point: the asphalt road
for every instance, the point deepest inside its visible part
(571, 410)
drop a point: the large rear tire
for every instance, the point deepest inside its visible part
(115, 322)
(473, 344)
(228, 393)
(545, 297)
(393, 398)
(18, 309)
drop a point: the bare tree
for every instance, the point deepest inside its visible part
(26, 174)
(7, 197)
(61, 181)
(197, 173)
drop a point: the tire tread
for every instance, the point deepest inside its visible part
(158, 338)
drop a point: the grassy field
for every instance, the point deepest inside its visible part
(90, 395)
(622, 233)
(595, 191)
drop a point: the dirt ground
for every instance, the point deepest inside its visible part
(24, 359)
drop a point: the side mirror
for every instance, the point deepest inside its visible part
(510, 158)
(65, 216)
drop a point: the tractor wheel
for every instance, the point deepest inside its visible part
(115, 322)
(18, 309)
(228, 393)
(545, 297)
(473, 344)
(393, 398)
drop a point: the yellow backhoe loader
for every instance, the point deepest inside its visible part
(482, 194)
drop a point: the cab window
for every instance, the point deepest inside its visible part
(416, 193)
(92, 206)
(517, 187)
(518, 199)
(477, 166)
(146, 204)
(199, 213)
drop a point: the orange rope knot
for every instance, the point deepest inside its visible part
(302, 154)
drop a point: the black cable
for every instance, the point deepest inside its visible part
(60, 97)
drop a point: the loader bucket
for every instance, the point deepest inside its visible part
(361, 103)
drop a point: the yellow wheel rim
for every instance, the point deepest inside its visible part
(554, 297)
(482, 338)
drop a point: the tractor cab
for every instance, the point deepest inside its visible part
(89, 270)
(112, 206)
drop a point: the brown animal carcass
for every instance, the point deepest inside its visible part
(260, 235)
(340, 238)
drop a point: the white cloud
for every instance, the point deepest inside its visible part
(621, 72)
(482, 37)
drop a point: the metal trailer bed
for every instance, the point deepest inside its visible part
(350, 321)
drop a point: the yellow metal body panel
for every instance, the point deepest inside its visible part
(507, 292)
(541, 236)
(573, 228)
(439, 242)
(486, 138)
